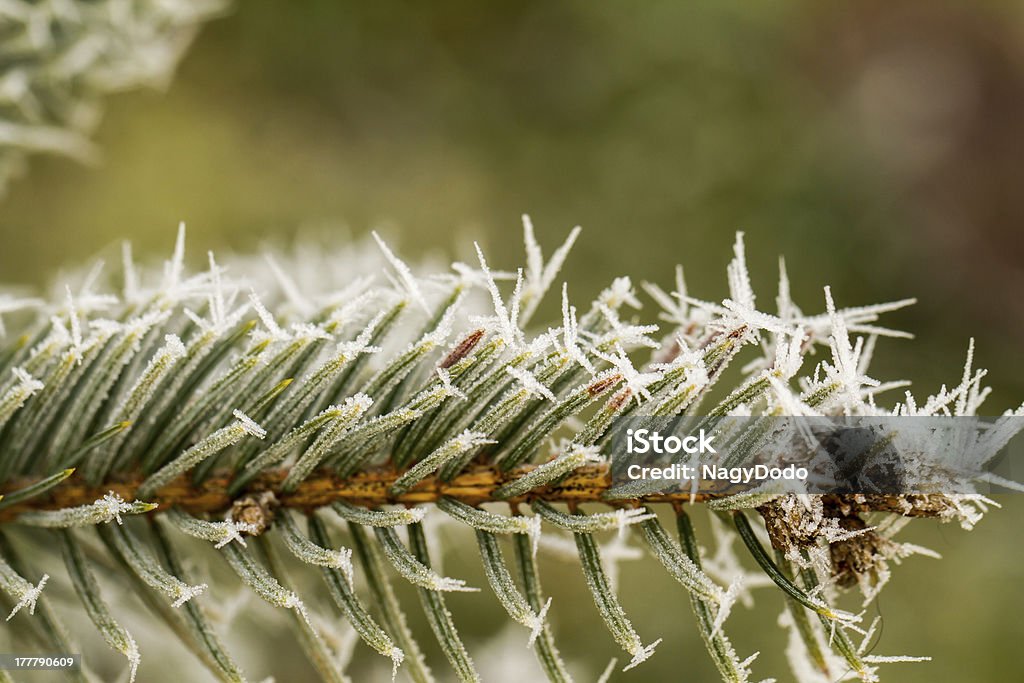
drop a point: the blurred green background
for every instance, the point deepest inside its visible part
(878, 145)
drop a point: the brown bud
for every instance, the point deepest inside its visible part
(462, 349)
(602, 385)
(619, 399)
(256, 509)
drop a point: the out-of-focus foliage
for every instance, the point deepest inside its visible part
(59, 58)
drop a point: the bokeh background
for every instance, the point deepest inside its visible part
(878, 145)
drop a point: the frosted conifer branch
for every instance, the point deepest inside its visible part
(352, 400)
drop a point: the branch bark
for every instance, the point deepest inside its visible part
(474, 486)
(369, 488)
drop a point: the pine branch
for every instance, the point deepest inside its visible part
(392, 404)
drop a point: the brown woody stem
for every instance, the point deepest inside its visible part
(473, 486)
(370, 488)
